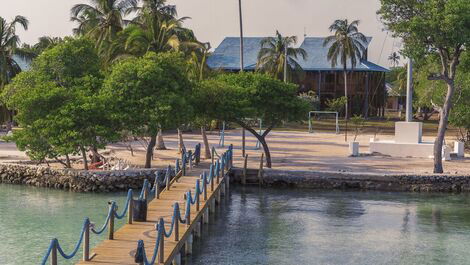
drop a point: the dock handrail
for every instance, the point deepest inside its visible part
(55, 247)
(215, 169)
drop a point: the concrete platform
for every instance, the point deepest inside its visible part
(392, 148)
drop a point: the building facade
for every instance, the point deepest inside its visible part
(366, 81)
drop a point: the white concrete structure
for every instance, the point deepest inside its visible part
(354, 148)
(459, 149)
(408, 142)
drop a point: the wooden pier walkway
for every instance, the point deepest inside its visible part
(122, 248)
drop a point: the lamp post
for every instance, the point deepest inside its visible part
(241, 34)
(409, 92)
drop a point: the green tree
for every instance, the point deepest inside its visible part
(241, 97)
(58, 105)
(148, 93)
(272, 56)
(156, 8)
(433, 27)
(347, 44)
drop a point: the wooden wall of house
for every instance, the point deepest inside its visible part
(366, 90)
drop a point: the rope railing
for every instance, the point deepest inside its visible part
(55, 248)
(158, 253)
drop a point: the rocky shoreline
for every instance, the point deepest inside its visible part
(75, 180)
(358, 181)
(122, 180)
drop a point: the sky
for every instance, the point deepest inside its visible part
(212, 20)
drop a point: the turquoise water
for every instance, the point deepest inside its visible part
(264, 226)
(30, 217)
(279, 226)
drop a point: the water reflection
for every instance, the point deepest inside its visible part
(279, 226)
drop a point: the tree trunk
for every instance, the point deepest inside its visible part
(160, 142)
(207, 149)
(95, 156)
(85, 160)
(267, 153)
(67, 161)
(441, 131)
(180, 141)
(262, 140)
(149, 154)
(346, 110)
(366, 98)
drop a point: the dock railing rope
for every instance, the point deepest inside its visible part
(159, 249)
(84, 238)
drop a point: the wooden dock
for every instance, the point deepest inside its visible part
(122, 248)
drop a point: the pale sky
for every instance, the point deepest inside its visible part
(212, 20)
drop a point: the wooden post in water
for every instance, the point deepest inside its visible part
(189, 245)
(206, 215)
(54, 253)
(243, 142)
(260, 171)
(111, 222)
(245, 165)
(86, 242)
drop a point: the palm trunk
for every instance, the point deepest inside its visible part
(207, 149)
(149, 154)
(160, 142)
(441, 131)
(346, 110)
(180, 141)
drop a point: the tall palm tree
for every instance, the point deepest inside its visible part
(394, 58)
(158, 8)
(101, 20)
(9, 46)
(272, 56)
(346, 45)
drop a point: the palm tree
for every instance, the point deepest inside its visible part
(101, 20)
(394, 58)
(157, 8)
(9, 47)
(272, 56)
(347, 44)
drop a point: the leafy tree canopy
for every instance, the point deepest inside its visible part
(58, 106)
(242, 97)
(149, 93)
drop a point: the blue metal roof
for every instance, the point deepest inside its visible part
(227, 56)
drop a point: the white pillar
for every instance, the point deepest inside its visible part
(409, 92)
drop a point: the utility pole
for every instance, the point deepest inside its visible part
(409, 92)
(241, 35)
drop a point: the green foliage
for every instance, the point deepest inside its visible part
(57, 102)
(260, 96)
(312, 99)
(149, 92)
(336, 104)
(358, 122)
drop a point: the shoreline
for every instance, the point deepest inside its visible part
(329, 180)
